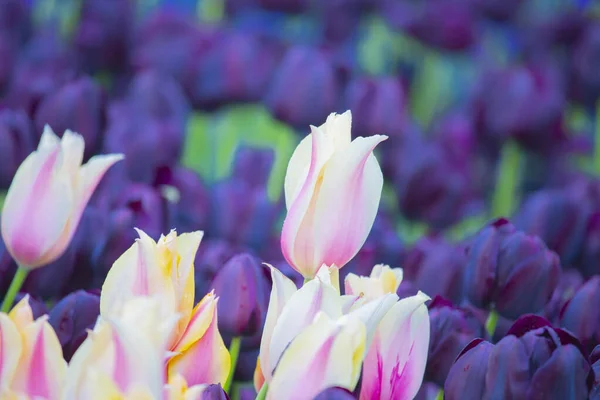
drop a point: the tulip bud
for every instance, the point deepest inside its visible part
(452, 328)
(503, 264)
(585, 55)
(379, 106)
(332, 190)
(589, 258)
(335, 393)
(211, 256)
(595, 361)
(16, 143)
(569, 282)
(8, 52)
(78, 105)
(305, 87)
(288, 6)
(581, 319)
(534, 361)
(72, 317)
(243, 287)
(214, 392)
(47, 197)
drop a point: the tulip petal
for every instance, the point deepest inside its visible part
(21, 314)
(383, 279)
(90, 175)
(338, 127)
(395, 362)
(372, 312)
(206, 361)
(299, 312)
(72, 146)
(283, 289)
(10, 350)
(202, 317)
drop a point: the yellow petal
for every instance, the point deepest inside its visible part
(10, 350)
(21, 314)
(202, 316)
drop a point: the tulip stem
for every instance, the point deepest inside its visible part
(490, 324)
(507, 179)
(234, 352)
(440, 395)
(14, 288)
(262, 394)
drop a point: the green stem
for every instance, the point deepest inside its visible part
(597, 141)
(234, 352)
(505, 193)
(306, 280)
(262, 395)
(440, 395)
(14, 287)
(490, 324)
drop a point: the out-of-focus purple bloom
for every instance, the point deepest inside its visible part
(379, 106)
(509, 270)
(524, 102)
(15, 20)
(8, 50)
(305, 87)
(187, 198)
(595, 361)
(243, 286)
(44, 65)
(446, 24)
(534, 361)
(436, 267)
(456, 135)
(335, 393)
(406, 289)
(246, 365)
(452, 328)
(585, 59)
(589, 258)
(78, 106)
(253, 166)
(581, 317)
(211, 256)
(339, 19)
(103, 33)
(236, 68)
(7, 268)
(214, 392)
(38, 308)
(498, 9)
(568, 284)
(72, 317)
(16, 142)
(288, 6)
(246, 392)
(149, 126)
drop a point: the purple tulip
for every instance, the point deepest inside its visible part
(104, 33)
(15, 19)
(589, 257)
(246, 392)
(335, 393)
(72, 317)
(379, 106)
(580, 318)
(38, 308)
(253, 165)
(595, 361)
(569, 282)
(509, 270)
(288, 6)
(78, 106)
(585, 58)
(305, 88)
(340, 18)
(499, 9)
(452, 328)
(211, 256)
(534, 361)
(236, 68)
(214, 392)
(16, 142)
(8, 50)
(243, 286)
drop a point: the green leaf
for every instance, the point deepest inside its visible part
(505, 196)
(2, 198)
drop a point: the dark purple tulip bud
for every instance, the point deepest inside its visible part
(7, 268)
(586, 55)
(503, 265)
(579, 317)
(379, 106)
(452, 328)
(223, 74)
(335, 393)
(305, 88)
(407, 289)
(15, 19)
(339, 18)
(559, 218)
(51, 281)
(524, 103)
(499, 9)
(38, 308)
(16, 142)
(243, 286)
(246, 365)
(246, 392)
(589, 259)
(457, 137)
(43, 66)
(104, 33)
(210, 258)
(214, 392)
(595, 361)
(288, 6)
(568, 284)
(253, 165)
(534, 361)
(436, 267)
(72, 317)
(187, 198)
(78, 106)
(445, 24)
(8, 50)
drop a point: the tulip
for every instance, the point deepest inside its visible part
(534, 361)
(211, 256)
(586, 82)
(290, 6)
(503, 264)
(335, 393)
(17, 142)
(568, 284)
(580, 319)
(177, 389)
(326, 353)
(587, 262)
(72, 317)
(305, 87)
(395, 361)
(45, 201)
(78, 105)
(332, 190)
(452, 328)
(382, 280)
(38, 308)
(31, 364)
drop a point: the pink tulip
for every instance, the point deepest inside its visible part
(332, 191)
(47, 196)
(395, 362)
